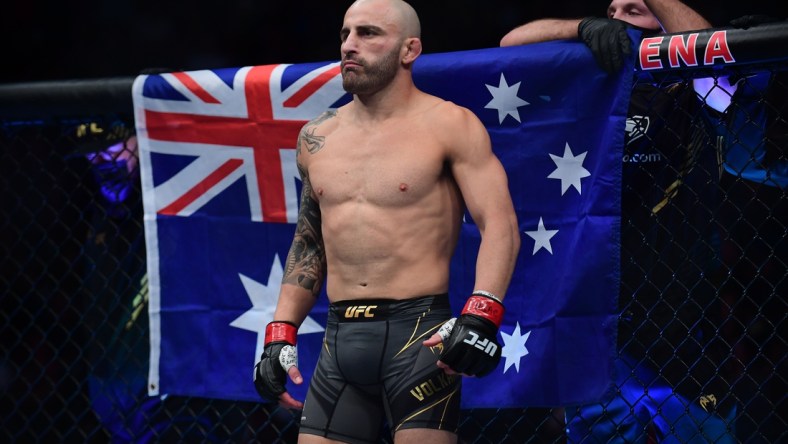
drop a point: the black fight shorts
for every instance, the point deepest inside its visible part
(373, 366)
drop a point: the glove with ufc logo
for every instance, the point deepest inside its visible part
(471, 346)
(279, 354)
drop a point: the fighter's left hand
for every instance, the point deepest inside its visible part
(470, 344)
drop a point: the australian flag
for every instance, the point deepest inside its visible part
(221, 193)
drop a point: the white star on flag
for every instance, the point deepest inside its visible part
(569, 169)
(514, 348)
(505, 99)
(264, 299)
(542, 238)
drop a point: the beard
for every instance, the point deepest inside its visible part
(373, 77)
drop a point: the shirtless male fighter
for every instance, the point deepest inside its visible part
(386, 179)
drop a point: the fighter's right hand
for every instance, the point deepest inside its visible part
(278, 360)
(608, 40)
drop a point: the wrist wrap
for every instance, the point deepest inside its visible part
(484, 307)
(281, 331)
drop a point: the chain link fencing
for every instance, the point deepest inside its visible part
(708, 261)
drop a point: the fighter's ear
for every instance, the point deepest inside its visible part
(411, 49)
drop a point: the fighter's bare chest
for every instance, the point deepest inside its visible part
(384, 168)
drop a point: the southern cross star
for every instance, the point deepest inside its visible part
(264, 299)
(505, 99)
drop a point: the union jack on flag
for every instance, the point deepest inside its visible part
(238, 124)
(220, 193)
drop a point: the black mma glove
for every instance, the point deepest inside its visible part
(279, 354)
(608, 41)
(471, 346)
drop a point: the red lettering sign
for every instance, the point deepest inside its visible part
(677, 48)
(649, 53)
(718, 48)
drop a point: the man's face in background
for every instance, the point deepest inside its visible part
(634, 12)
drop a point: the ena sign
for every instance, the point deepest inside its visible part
(691, 49)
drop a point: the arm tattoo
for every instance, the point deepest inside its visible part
(307, 135)
(306, 261)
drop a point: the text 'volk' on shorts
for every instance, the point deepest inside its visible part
(373, 366)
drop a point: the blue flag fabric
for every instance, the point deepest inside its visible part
(220, 190)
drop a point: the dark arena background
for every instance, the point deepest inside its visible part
(73, 289)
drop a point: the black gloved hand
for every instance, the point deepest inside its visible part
(471, 347)
(270, 374)
(608, 41)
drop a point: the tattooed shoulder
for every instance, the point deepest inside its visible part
(323, 117)
(307, 136)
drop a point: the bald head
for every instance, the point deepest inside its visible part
(401, 14)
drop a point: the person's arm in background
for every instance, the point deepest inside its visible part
(542, 30)
(675, 16)
(607, 38)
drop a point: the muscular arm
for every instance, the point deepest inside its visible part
(542, 30)
(484, 186)
(306, 260)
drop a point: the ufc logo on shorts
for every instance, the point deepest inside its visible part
(484, 345)
(358, 310)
